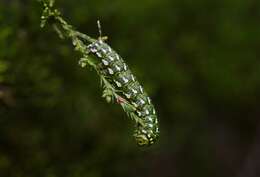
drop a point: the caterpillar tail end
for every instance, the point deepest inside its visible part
(143, 139)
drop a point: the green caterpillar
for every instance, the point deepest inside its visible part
(118, 81)
(115, 70)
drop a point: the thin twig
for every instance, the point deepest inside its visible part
(66, 30)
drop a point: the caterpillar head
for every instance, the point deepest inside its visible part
(142, 139)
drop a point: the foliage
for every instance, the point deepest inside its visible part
(199, 61)
(110, 93)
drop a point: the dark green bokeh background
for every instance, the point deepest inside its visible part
(198, 60)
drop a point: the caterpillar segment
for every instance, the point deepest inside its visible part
(113, 67)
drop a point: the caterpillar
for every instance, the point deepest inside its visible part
(116, 71)
(118, 80)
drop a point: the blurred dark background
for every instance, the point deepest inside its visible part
(197, 59)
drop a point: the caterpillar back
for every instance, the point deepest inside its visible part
(113, 67)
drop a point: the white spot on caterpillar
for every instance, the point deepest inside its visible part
(111, 58)
(135, 105)
(110, 71)
(150, 119)
(142, 101)
(146, 112)
(104, 51)
(156, 121)
(98, 54)
(139, 113)
(132, 77)
(118, 68)
(144, 131)
(105, 62)
(117, 57)
(141, 89)
(150, 125)
(125, 80)
(150, 131)
(134, 91)
(149, 100)
(125, 67)
(118, 84)
(127, 95)
(92, 49)
(154, 111)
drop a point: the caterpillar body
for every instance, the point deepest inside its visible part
(113, 67)
(118, 81)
